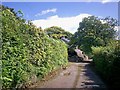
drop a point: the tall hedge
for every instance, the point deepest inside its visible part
(107, 63)
(28, 54)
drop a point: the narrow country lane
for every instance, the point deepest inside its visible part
(77, 75)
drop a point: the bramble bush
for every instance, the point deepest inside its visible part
(107, 63)
(28, 54)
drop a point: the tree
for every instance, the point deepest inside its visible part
(93, 31)
(57, 32)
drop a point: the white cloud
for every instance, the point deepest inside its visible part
(53, 10)
(102, 1)
(68, 23)
(105, 1)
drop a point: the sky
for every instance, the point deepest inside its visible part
(64, 14)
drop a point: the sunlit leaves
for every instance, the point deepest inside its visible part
(27, 51)
(93, 31)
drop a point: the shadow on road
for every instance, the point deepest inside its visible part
(90, 79)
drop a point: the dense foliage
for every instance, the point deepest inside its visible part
(28, 54)
(57, 32)
(107, 63)
(96, 37)
(93, 31)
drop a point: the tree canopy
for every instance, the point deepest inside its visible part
(93, 31)
(57, 32)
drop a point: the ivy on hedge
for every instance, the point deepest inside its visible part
(27, 52)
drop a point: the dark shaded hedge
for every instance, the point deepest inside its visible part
(107, 63)
(28, 54)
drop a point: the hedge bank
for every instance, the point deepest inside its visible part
(28, 54)
(107, 63)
